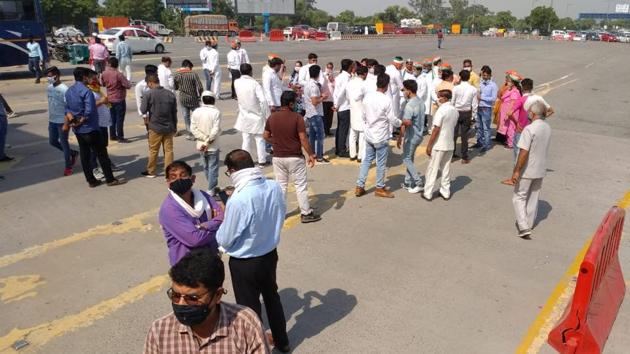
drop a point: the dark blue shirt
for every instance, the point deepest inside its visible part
(80, 103)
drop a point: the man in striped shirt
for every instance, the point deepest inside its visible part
(190, 88)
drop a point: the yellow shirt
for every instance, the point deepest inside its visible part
(474, 79)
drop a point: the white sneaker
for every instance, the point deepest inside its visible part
(98, 174)
(416, 189)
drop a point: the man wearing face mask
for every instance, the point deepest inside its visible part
(342, 106)
(57, 137)
(271, 83)
(189, 217)
(474, 78)
(427, 76)
(250, 233)
(210, 62)
(200, 321)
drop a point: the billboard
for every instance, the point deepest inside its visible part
(272, 7)
(622, 8)
(191, 5)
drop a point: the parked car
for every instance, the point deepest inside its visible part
(608, 37)
(139, 40)
(558, 35)
(288, 31)
(591, 36)
(404, 30)
(68, 31)
(300, 31)
(623, 37)
(360, 29)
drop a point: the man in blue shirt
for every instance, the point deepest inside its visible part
(487, 96)
(35, 57)
(57, 137)
(250, 233)
(413, 116)
(82, 116)
(124, 55)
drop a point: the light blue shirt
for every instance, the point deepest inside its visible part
(123, 50)
(56, 103)
(34, 50)
(488, 91)
(253, 220)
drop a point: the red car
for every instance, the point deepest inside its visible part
(607, 37)
(404, 30)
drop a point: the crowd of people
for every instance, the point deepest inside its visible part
(287, 119)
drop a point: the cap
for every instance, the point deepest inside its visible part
(514, 75)
(437, 60)
(397, 59)
(427, 61)
(207, 93)
(417, 64)
(445, 66)
(409, 60)
(272, 55)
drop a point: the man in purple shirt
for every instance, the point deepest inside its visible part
(189, 217)
(117, 86)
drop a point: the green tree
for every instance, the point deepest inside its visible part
(542, 18)
(58, 13)
(584, 24)
(172, 18)
(566, 23)
(318, 18)
(136, 9)
(394, 14)
(504, 19)
(459, 10)
(428, 10)
(475, 17)
(346, 16)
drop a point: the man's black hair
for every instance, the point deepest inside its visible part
(178, 164)
(208, 100)
(486, 69)
(238, 159)
(246, 69)
(362, 70)
(121, 37)
(382, 81)
(464, 75)
(275, 61)
(372, 62)
(346, 64)
(154, 78)
(150, 69)
(97, 40)
(527, 84)
(467, 61)
(166, 60)
(199, 267)
(446, 74)
(187, 64)
(379, 69)
(411, 85)
(312, 56)
(54, 70)
(287, 98)
(445, 93)
(79, 73)
(113, 62)
(313, 71)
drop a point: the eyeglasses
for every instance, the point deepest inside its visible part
(189, 299)
(228, 173)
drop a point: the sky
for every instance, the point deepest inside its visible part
(519, 8)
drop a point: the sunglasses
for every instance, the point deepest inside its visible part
(189, 299)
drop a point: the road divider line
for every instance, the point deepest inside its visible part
(15, 288)
(132, 223)
(538, 331)
(43, 333)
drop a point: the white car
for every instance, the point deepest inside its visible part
(139, 40)
(68, 31)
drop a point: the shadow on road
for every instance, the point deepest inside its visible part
(544, 209)
(317, 311)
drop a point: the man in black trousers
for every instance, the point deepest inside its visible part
(342, 106)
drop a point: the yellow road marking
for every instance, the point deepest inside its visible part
(132, 223)
(537, 333)
(45, 332)
(19, 287)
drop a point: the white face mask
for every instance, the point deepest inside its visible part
(51, 80)
(297, 68)
(468, 68)
(371, 71)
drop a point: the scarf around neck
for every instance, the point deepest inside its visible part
(201, 204)
(243, 177)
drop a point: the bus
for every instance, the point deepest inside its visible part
(20, 20)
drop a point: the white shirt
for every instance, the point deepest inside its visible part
(205, 126)
(428, 81)
(423, 89)
(312, 89)
(243, 54)
(272, 86)
(141, 89)
(303, 75)
(166, 77)
(535, 139)
(395, 80)
(209, 59)
(340, 98)
(378, 116)
(465, 97)
(446, 118)
(253, 108)
(406, 75)
(355, 91)
(234, 60)
(370, 83)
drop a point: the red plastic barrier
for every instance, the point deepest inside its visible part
(246, 36)
(599, 292)
(276, 35)
(321, 36)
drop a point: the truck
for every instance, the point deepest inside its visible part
(101, 23)
(385, 28)
(210, 25)
(158, 29)
(338, 26)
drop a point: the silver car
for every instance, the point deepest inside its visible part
(68, 31)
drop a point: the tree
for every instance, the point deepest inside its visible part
(346, 16)
(459, 10)
(504, 19)
(136, 9)
(566, 23)
(428, 10)
(58, 13)
(172, 18)
(584, 24)
(394, 14)
(542, 18)
(475, 17)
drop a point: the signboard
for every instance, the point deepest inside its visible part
(271, 7)
(622, 8)
(206, 4)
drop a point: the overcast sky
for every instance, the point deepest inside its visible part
(520, 8)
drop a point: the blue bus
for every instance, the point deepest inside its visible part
(20, 20)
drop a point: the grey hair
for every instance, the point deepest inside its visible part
(539, 109)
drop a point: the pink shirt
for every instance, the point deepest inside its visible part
(523, 119)
(98, 51)
(116, 84)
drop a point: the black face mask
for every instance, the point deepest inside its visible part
(191, 315)
(181, 186)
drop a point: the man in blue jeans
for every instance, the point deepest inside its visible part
(315, 113)
(205, 126)
(379, 115)
(412, 130)
(57, 136)
(487, 96)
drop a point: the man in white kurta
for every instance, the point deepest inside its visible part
(395, 83)
(253, 111)
(271, 83)
(355, 91)
(209, 56)
(342, 106)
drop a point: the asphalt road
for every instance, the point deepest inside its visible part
(84, 270)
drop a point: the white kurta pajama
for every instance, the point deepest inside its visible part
(355, 90)
(253, 111)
